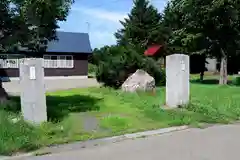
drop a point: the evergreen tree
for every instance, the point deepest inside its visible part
(142, 27)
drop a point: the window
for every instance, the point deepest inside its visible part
(54, 62)
(58, 61)
(69, 61)
(47, 61)
(10, 60)
(62, 61)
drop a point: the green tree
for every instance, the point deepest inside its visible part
(9, 24)
(210, 27)
(5, 23)
(142, 27)
(41, 18)
(178, 39)
(30, 24)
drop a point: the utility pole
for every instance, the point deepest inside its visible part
(88, 27)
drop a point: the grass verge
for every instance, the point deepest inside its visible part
(82, 114)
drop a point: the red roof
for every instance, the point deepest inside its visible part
(152, 50)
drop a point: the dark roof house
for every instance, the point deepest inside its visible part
(69, 42)
(65, 57)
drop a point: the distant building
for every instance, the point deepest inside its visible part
(66, 57)
(196, 61)
(211, 64)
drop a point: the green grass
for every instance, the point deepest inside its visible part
(109, 112)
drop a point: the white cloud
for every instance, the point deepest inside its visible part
(102, 14)
(103, 23)
(99, 38)
(159, 4)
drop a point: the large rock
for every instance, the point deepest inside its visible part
(140, 80)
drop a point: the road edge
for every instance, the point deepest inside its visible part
(91, 143)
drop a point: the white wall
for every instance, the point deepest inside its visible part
(212, 64)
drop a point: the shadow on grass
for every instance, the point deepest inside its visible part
(208, 81)
(59, 107)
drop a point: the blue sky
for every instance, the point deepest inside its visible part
(100, 18)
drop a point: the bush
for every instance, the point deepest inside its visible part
(102, 54)
(236, 81)
(155, 71)
(92, 68)
(119, 63)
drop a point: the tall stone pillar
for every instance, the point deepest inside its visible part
(177, 80)
(33, 98)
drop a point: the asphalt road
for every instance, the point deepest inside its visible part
(213, 143)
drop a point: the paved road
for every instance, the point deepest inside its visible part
(213, 143)
(13, 87)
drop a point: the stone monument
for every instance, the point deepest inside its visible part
(177, 80)
(33, 98)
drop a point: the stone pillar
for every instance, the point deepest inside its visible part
(177, 80)
(33, 98)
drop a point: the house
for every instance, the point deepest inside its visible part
(66, 57)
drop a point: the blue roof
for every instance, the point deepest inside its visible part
(69, 42)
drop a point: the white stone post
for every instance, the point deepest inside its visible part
(33, 98)
(177, 80)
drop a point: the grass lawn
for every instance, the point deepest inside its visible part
(82, 114)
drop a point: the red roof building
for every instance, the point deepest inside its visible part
(153, 50)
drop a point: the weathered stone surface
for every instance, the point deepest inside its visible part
(33, 98)
(177, 80)
(140, 80)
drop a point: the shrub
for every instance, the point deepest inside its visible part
(92, 68)
(119, 63)
(155, 71)
(102, 54)
(236, 81)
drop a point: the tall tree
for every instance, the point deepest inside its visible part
(8, 25)
(30, 24)
(211, 27)
(142, 26)
(179, 40)
(41, 17)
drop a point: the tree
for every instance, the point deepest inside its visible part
(30, 24)
(40, 19)
(210, 27)
(101, 54)
(142, 27)
(8, 25)
(178, 39)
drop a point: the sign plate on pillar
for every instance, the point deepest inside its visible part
(32, 72)
(33, 98)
